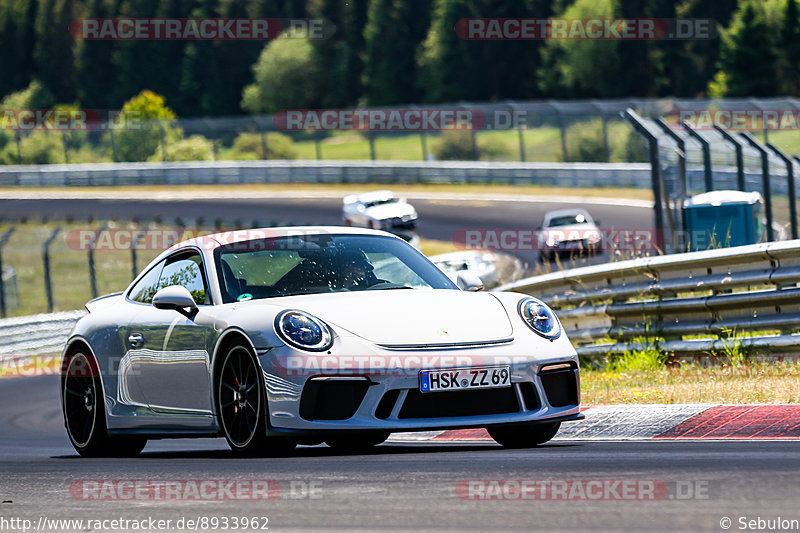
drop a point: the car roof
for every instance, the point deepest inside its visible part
(248, 234)
(371, 196)
(566, 212)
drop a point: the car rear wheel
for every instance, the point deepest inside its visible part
(526, 436)
(83, 403)
(242, 406)
(357, 441)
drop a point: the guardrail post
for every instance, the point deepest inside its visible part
(563, 129)
(46, 262)
(371, 139)
(92, 270)
(264, 149)
(163, 143)
(708, 175)
(790, 183)
(113, 143)
(655, 167)
(3, 241)
(317, 144)
(19, 149)
(474, 138)
(66, 146)
(747, 136)
(604, 120)
(681, 151)
(739, 157)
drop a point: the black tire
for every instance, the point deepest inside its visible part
(524, 436)
(242, 406)
(83, 405)
(360, 441)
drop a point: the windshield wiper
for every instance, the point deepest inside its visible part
(388, 287)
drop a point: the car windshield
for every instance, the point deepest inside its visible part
(382, 201)
(567, 220)
(322, 263)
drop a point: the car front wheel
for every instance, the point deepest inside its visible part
(524, 436)
(242, 406)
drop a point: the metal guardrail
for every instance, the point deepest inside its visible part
(327, 171)
(36, 334)
(675, 299)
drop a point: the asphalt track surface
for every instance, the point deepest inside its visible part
(398, 487)
(440, 219)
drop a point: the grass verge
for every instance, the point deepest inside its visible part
(346, 188)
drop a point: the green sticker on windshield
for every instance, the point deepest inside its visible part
(244, 297)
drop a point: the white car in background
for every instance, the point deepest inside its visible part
(378, 210)
(479, 262)
(568, 231)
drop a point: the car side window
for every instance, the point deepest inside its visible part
(146, 288)
(186, 270)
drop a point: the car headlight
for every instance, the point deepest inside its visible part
(539, 318)
(304, 331)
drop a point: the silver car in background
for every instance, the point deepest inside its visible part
(480, 262)
(568, 232)
(284, 336)
(378, 210)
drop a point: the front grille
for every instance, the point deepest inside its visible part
(459, 403)
(560, 387)
(529, 396)
(385, 406)
(332, 399)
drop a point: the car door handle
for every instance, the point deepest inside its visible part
(135, 340)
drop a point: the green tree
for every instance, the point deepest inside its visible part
(696, 59)
(748, 60)
(93, 58)
(148, 125)
(342, 52)
(54, 49)
(789, 49)
(452, 68)
(285, 76)
(581, 68)
(392, 35)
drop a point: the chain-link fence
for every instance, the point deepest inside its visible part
(710, 154)
(580, 130)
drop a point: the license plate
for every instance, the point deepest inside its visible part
(464, 378)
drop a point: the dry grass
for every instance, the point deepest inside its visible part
(757, 382)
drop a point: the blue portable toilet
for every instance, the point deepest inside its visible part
(719, 219)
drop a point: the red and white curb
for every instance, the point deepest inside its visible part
(656, 421)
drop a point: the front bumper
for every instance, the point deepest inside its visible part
(333, 393)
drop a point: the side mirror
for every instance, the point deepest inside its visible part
(469, 281)
(177, 298)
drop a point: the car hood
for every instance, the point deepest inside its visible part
(405, 317)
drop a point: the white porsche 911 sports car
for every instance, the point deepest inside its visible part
(284, 336)
(379, 210)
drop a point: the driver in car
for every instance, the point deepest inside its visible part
(355, 271)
